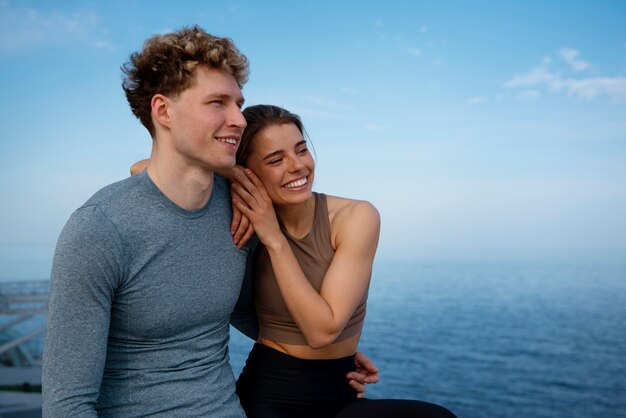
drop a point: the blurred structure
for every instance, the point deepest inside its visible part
(23, 309)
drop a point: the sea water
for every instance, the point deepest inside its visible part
(540, 340)
(497, 340)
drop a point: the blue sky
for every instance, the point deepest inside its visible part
(479, 129)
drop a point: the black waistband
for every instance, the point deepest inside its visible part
(264, 353)
(279, 377)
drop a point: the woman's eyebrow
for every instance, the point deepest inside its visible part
(272, 154)
(279, 152)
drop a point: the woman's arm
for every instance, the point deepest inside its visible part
(320, 316)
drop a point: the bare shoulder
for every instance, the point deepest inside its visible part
(351, 216)
(342, 209)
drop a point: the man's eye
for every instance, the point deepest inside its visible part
(275, 161)
(303, 151)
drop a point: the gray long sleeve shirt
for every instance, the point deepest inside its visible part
(140, 300)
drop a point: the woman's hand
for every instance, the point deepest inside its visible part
(251, 199)
(240, 227)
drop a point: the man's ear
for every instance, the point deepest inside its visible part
(160, 110)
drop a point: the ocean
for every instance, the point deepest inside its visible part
(540, 340)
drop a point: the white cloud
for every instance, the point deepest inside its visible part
(570, 56)
(435, 62)
(585, 88)
(372, 127)
(325, 103)
(414, 51)
(348, 90)
(104, 45)
(437, 43)
(592, 87)
(536, 76)
(528, 95)
(28, 27)
(475, 100)
(423, 29)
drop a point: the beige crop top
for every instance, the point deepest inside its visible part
(314, 252)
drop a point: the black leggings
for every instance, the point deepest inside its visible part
(276, 385)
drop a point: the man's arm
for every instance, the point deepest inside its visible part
(139, 166)
(85, 272)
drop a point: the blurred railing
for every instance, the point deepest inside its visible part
(23, 309)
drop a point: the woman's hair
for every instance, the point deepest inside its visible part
(166, 66)
(260, 117)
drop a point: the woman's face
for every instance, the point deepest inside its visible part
(281, 159)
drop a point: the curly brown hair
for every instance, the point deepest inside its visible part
(166, 66)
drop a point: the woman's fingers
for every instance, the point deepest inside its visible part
(258, 184)
(238, 197)
(252, 190)
(243, 193)
(234, 224)
(253, 185)
(242, 229)
(246, 237)
(253, 178)
(245, 182)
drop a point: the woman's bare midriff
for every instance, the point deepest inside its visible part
(341, 349)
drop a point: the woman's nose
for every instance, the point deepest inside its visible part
(295, 164)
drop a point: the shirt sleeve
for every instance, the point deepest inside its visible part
(86, 270)
(244, 315)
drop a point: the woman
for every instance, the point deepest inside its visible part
(311, 277)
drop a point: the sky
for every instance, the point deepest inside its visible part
(480, 130)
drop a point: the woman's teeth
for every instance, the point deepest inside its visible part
(296, 183)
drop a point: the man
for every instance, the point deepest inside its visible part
(146, 275)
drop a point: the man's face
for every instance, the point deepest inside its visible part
(206, 119)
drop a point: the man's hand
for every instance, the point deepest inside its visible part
(365, 373)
